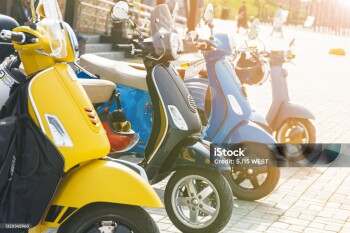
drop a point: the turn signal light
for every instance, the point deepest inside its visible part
(185, 65)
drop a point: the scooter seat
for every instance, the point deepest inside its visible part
(115, 71)
(98, 90)
(138, 66)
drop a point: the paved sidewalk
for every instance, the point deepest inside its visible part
(306, 199)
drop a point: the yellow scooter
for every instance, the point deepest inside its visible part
(96, 194)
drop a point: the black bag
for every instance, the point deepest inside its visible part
(31, 167)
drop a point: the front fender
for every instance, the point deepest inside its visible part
(101, 181)
(291, 110)
(248, 131)
(195, 153)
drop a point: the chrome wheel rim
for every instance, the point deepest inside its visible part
(108, 227)
(283, 134)
(195, 201)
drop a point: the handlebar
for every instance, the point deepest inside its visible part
(202, 45)
(125, 47)
(19, 37)
(205, 45)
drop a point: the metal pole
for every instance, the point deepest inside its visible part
(192, 19)
(71, 13)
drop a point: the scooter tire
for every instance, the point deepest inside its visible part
(132, 217)
(310, 128)
(265, 188)
(222, 190)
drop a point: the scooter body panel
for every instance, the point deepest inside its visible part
(248, 131)
(282, 108)
(194, 153)
(99, 181)
(290, 110)
(166, 133)
(225, 88)
(54, 106)
(258, 118)
(137, 106)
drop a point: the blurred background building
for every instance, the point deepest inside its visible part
(92, 16)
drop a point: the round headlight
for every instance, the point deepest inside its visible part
(176, 45)
(232, 43)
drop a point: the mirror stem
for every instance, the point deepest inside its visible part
(211, 26)
(133, 26)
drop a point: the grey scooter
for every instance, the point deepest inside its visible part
(290, 121)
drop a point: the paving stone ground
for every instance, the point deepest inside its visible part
(306, 199)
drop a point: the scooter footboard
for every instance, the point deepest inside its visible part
(99, 181)
(195, 153)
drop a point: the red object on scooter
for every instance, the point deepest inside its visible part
(119, 142)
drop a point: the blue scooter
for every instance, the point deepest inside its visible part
(229, 122)
(229, 119)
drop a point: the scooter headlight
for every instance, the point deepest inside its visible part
(232, 43)
(176, 45)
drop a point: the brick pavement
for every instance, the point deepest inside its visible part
(306, 199)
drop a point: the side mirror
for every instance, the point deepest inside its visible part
(254, 30)
(191, 37)
(175, 12)
(120, 12)
(208, 15)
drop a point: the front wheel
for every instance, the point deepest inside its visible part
(198, 200)
(299, 136)
(249, 182)
(296, 130)
(109, 218)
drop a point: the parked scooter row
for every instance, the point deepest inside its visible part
(289, 121)
(98, 193)
(230, 124)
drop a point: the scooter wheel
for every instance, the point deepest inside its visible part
(103, 217)
(287, 131)
(249, 182)
(198, 200)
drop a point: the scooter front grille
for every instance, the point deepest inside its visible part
(192, 103)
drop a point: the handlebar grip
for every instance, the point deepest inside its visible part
(18, 37)
(202, 45)
(15, 36)
(125, 47)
